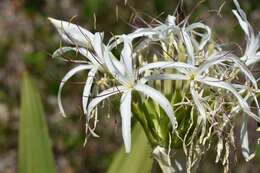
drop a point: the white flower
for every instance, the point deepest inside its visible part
(252, 53)
(199, 74)
(251, 56)
(87, 44)
(128, 82)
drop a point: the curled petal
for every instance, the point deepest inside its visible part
(221, 84)
(205, 37)
(102, 96)
(226, 56)
(189, 46)
(71, 73)
(87, 88)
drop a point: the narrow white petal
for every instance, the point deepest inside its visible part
(141, 32)
(205, 37)
(113, 69)
(189, 46)
(72, 33)
(98, 45)
(126, 55)
(61, 51)
(126, 114)
(253, 59)
(244, 139)
(66, 78)
(87, 88)
(91, 57)
(102, 96)
(83, 51)
(160, 99)
(167, 77)
(225, 56)
(242, 19)
(167, 64)
(197, 102)
(221, 84)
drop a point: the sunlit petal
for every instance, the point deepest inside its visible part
(125, 111)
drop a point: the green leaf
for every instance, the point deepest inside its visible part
(139, 160)
(35, 153)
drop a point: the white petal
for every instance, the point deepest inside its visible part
(126, 114)
(252, 60)
(167, 64)
(225, 56)
(102, 96)
(92, 58)
(197, 102)
(170, 20)
(220, 84)
(160, 99)
(62, 50)
(126, 55)
(83, 51)
(66, 78)
(141, 32)
(98, 44)
(242, 19)
(205, 37)
(244, 139)
(167, 77)
(189, 46)
(113, 69)
(87, 88)
(72, 33)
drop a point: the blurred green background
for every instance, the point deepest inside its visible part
(26, 41)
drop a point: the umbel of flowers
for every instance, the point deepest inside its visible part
(181, 85)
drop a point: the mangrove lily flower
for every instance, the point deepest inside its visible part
(250, 57)
(252, 53)
(207, 86)
(87, 44)
(199, 74)
(128, 82)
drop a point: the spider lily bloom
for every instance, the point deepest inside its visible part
(128, 81)
(252, 53)
(251, 56)
(199, 74)
(87, 44)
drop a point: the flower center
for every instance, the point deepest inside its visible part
(193, 76)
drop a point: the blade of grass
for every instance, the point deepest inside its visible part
(35, 153)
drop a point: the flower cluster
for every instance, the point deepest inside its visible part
(174, 79)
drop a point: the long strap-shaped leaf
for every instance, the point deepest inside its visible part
(139, 160)
(35, 153)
